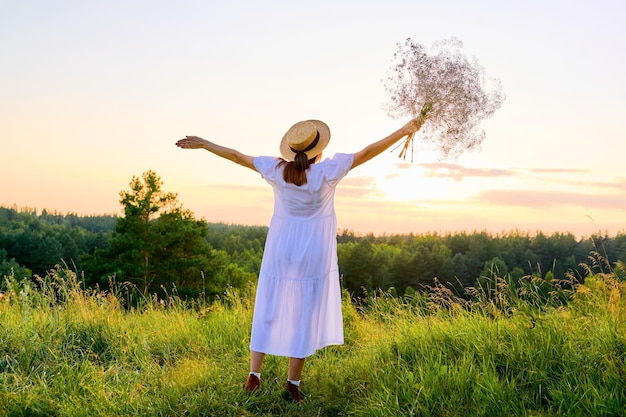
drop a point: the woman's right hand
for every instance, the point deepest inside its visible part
(413, 125)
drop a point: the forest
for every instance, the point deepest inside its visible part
(159, 247)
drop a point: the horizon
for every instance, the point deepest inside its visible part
(357, 233)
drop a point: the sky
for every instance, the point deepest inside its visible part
(93, 93)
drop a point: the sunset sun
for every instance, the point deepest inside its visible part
(415, 184)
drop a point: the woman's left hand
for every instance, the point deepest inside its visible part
(191, 142)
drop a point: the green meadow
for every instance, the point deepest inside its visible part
(536, 348)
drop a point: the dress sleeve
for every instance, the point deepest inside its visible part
(338, 166)
(266, 165)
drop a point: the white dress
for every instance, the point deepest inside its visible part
(298, 300)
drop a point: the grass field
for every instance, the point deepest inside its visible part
(531, 350)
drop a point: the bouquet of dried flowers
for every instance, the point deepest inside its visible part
(447, 91)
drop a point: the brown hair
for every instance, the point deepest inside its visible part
(295, 171)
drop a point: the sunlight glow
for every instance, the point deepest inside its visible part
(413, 184)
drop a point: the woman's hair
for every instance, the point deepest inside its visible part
(295, 171)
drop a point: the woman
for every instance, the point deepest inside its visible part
(298, 300)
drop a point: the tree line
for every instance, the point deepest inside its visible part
(460, 260)
(159, 247)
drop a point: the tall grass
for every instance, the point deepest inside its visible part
(535, 348)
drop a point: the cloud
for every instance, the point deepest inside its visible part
(404, 165)
(351, 187)
(558, 170)
(573, 176)
(358, 187)
(459, 172)
(619, 184)
(579, 178)
(237, 187)
(545, 199)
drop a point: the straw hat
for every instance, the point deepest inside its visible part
(308, 136)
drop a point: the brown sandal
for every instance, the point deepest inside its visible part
(253, 383)
(292, 393)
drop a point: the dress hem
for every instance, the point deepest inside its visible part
(289, 355)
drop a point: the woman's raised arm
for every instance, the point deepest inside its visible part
(195, 142)
(378, 147)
